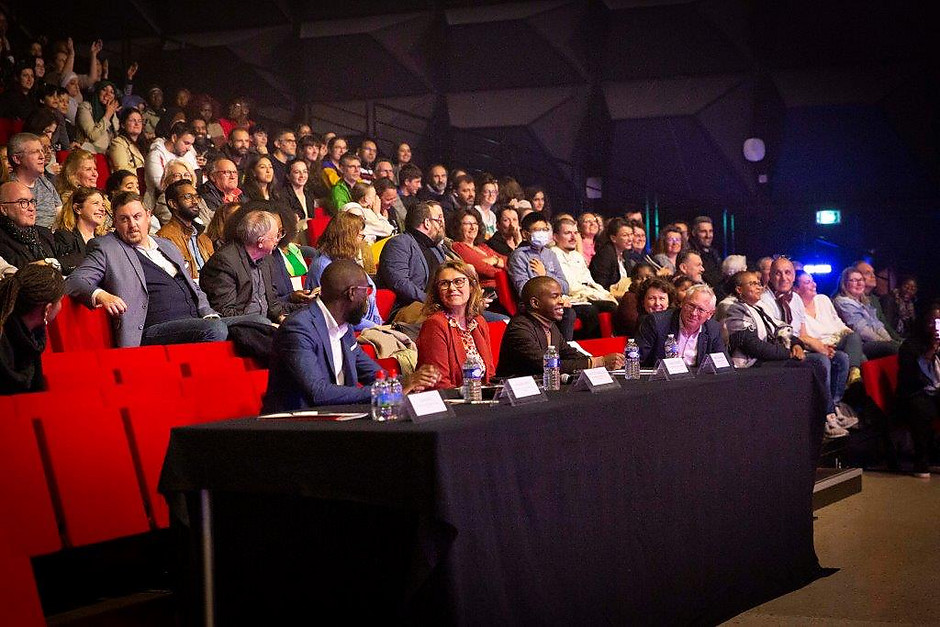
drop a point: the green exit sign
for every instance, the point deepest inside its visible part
(828, 216)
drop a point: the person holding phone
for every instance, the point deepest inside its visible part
(919, 384)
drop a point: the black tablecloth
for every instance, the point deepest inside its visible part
(664, 502)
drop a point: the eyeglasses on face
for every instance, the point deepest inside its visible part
(695, 309)
(22, 203)
(458, 282)
(368, 288)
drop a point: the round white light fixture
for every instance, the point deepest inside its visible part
(754, 149)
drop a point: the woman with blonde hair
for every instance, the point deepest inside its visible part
(455, 329)
(78, 170)
(856, 310)
(176, 170)
(82, 218)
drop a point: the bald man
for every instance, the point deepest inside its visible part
(316, 360)
(529, 333)
(21, 240)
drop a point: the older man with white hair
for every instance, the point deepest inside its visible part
(692, 326)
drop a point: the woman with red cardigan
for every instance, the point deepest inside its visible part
(454, 326)
(465, 228)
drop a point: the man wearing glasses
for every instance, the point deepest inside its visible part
(342, 190)
(21, 240)
(28, 162)
(315, 359)
(238, 280)
(183, 230)
(222, 186)
(696, 333)
(285, 149)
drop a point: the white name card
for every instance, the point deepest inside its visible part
(595, 380)
(427, 403)
(675, 365)
(523, 387)
(720, 360)
(598, 376)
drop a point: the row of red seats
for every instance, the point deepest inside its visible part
(8, 128)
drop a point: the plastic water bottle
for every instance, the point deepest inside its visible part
(631, 360)
(396, 396)
(379, 397)
(551, 369)
(472, 379)
(671, 346)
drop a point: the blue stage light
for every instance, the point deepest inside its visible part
(818, 268)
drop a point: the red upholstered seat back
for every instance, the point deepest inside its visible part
(79, 328)
(880, 378)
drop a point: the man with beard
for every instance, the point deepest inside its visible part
(316, 360)
(435, 185)
(196, 247)
(235, 150)
(703, 234)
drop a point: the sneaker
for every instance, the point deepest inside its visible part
(845, 416)
(832, 429)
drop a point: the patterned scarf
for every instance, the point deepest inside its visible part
(28, 237)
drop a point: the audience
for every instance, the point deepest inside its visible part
(508, 235)
(126, 151)
(454, 329)
(667, 248)
(341, 192)
(588, 228)
(96, 119)
(260, 183)
(857, 310)
(366, 204)
(822, 323)
(465, 228)
(81, 219)
(691, 325)
(183, 229)
(299, 197)
(22, 241)
(703, 234)
(222, 186)
(27, 163)
(899, 305)
(609, 266)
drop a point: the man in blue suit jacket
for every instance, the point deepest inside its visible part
(316, 360)
(691, 324)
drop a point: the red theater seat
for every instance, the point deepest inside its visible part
(497, 330)
(73, 370)
(603, 345)
(104, 171)
(19, 599)
(79, 328)
(880, 378)
(315, 228)
(505, 294)
(384, 301)
(223, 397)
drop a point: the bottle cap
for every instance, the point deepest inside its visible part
(379, 375)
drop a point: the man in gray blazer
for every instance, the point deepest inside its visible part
(143, 284)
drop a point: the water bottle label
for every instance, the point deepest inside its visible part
(474, 372)
(553, 362)
(633, 352)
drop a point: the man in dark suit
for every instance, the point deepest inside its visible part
(529, 333)
(238, 279)
(316, 360)
(696, 333)
(142, 283)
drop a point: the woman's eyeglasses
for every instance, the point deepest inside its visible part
(459, 282)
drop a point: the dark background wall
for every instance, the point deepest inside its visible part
(654, 97)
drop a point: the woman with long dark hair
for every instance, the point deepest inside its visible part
(259, 179)
(96, 118)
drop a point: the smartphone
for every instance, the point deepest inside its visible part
(490, 294)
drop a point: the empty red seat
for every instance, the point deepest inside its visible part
(222, 397)
(497, 330)
(606, 320)
(603, 345)
(8, 128)
(104, 170)
(384, 301)
(28, 515)
(388, 364)
(71, 370)
(880, 378)
(79, 328)
(86, 450)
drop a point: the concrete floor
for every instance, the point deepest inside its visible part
(886, 541)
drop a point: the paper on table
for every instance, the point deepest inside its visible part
(598, 376)
(675, 365)
(426, 403)
(523, 386)
(720, 360)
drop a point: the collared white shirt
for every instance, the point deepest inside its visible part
(688, 346)
(770, 306)
(580, 282)
(149, 249)
(335, 332)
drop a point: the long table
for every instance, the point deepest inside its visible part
(663, 502)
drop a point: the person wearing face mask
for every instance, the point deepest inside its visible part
(532, 258)
(315, 358)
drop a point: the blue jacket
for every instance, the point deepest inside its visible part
(301, 373)
(519, 271)
(404, 270)
(651, 337)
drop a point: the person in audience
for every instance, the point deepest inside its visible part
(402, 156)
(608, 266)
(222, 185)
(96, 118)
(81, 219)
(364, 203)
(153, 112)
(43, 121)
(29, 300)
(465, 228)
(489, 192)
(667, 248)
(454, 329)
(536, 196)
(336, 147)
(703, 235)
(919, 383)
(183, 230)
(384, 170)
(731, 265)
(529, 333)
(239, 115)
(580, 282)
(259, 139)
(857, 311)
(341, 192)
(409, 259)
(52, 97)
(655, 294)
(683, 227)
(289, 259)
(691, 325)
(763, 269)
(409, 183)
(588, 229)
(511, 193)
(28, 165)
(285, 150)
(316, 360)
(235, 149)
(367, 153)
(78, 170)
(215, 231)
(508, 235)
(639, 241)
(309, 151)
(167, 307)
(533, 258)
(260, 183)
(435, 184)
(783, 303)
(626, 319)
(871, 285)
(689, 264)
(126, 150)
(176, 170)
(121, 181)
(899, 305)
(341, 240)
(238, 279)
(206, 107)
(390, 205)
(179, 145)
(17, 100)
(464, 193)
(756, 339)
(822, 323)
(681, 283)
(21, 240)
(299, 198)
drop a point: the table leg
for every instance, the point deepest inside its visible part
(208, 566)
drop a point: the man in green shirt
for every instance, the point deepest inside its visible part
(342, 192)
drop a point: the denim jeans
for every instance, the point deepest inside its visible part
(836, 373)
(851, 345)
(189, 330)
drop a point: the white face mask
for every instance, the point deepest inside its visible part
(540, 239)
